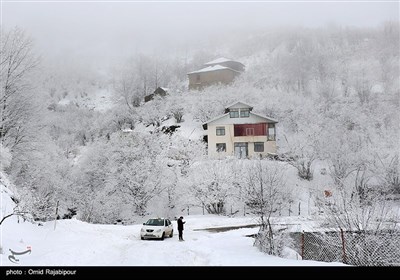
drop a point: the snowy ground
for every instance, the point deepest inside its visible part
(75, 243)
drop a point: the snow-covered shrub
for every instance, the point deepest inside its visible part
(42, 206)
(392, 174)
(275, 245)
(177, 112)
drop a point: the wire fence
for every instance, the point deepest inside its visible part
(359, 248)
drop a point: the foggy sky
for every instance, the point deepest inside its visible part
(106, 29)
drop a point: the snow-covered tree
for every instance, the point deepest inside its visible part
(211, 184)
(17, 63)
(265, 191)
(301, 154)
(153, 112)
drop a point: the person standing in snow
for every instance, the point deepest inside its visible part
(180, 228)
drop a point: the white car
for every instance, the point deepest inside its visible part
(157, 228)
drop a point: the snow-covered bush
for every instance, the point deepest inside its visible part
(273, 245)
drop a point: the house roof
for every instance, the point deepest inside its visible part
(212, 68)
(269, 119)
(216, 118)
(239, 102)
(251, 107)
(220, 60)
(272, 120)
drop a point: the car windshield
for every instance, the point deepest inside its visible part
(155, 222)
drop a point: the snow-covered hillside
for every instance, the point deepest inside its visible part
(87, 143)
(189, 129)
(99, 100)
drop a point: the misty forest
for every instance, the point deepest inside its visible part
(83, 140)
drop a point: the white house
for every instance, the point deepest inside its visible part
(240, 132)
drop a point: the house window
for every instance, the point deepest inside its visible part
(221, 147)
(249, 131)
(220, 130)
(234, 113)
(197, 78)
(271, 132)
(259, 147)
(244, 113)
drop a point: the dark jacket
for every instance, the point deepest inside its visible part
(180, 224)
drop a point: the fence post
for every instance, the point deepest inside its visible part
(203, 208)
(244, 210)
(343, 247)
(55, 220)
(302, 245)
(299, 208)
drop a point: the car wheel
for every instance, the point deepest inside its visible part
(162, 236)
(172, 233)
(142, 238)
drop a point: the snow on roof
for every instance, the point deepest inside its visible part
(164, 89)
(212, 68)
(238, 102)
(268, 118)
(271, 120)
(216, 118)
(218, 60)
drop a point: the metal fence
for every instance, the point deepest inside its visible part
(360, 248)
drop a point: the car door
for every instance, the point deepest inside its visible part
(169, 226)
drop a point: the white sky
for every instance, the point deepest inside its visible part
(99, 28)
